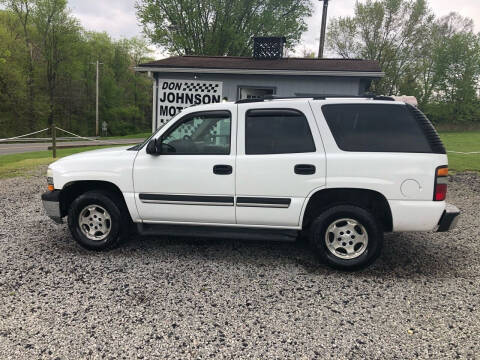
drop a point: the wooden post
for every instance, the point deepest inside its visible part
(54, 141)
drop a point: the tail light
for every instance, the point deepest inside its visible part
(440, 189)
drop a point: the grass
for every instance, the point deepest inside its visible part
(464, 142)
(13, 165)
(22, 164)
(131, 136)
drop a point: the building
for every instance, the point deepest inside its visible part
(183, 81)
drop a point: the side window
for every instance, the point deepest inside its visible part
(375, 128)
(277, 131)
(199, 134)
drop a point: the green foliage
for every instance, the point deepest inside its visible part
(4, 56)
(452, 112)
(25, 163)
(221, 27)
(47, 73)
(123, 120)
(435, 60)
(389, 31)
(457, 67)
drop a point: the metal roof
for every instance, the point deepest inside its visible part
(250, 65)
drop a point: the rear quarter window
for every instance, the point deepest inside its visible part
(375, 128)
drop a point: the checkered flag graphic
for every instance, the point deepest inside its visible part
(203, 88)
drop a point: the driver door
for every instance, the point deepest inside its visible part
(193, 179)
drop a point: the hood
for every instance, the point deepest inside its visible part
(93, 155)
(100, 161)
(113, 165)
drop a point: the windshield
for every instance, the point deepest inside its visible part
(145, 142)
(142, 144)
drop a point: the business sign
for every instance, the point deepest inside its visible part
(175, 95)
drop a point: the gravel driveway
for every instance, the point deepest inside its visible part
(187, 298)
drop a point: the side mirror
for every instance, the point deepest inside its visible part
(153, 147)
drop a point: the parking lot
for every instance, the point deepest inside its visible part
(188, 298)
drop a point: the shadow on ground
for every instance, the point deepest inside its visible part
(406, 255)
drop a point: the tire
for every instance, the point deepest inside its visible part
(108, 216)
(343, 245)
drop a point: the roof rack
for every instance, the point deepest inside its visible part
(271, 97)
(244, 101)
(383, 97)
(365, 96)
(317, 97)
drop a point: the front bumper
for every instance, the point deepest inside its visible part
(51, 203)
(449, 218)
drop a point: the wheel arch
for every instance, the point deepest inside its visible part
(73, 189)
(368, 199)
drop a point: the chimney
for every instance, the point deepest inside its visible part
(267, 48)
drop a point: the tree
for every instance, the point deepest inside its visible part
(220, 27)
(22, 10)
(426, 73)
(389, 31)
(456, 79)
(139, 53)
(457, 68)
(454, 23)
(436, 60)
(13, 90)
(57, 30)
(449, 71)
(64, 75)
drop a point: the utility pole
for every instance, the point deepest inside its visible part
(323, 28)
(96, 104)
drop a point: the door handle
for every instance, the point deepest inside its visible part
(222, 169)
(305, 169)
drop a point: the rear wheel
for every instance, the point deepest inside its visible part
(97, 221)
(347, 237)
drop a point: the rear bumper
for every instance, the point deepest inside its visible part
(449, 218)
(51, 203)
(408, 215)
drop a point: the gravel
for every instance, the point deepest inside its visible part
(188, 298)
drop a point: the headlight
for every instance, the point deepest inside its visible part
(50, 179)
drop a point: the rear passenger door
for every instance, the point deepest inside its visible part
(280, 160)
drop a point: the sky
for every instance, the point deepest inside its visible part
(117, 17)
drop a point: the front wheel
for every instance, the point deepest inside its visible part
(97, 221)
(347, 237)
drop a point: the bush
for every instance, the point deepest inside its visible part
(453, 113)
(121, 121)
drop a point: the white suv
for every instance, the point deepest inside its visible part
(343, 171)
